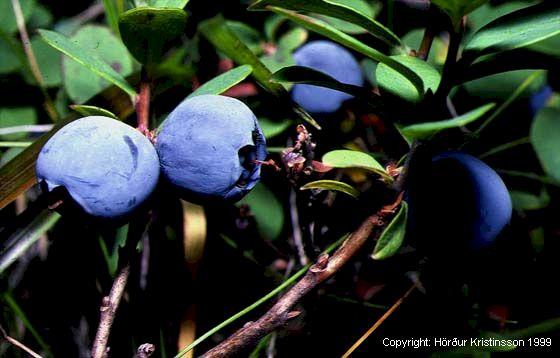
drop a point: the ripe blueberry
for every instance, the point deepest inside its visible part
(106, 166)
(208, 146)
(460, 202)
(335, 61)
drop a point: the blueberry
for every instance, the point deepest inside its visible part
(106, 166)
(208, 146)
(460, 202)
(334, 60)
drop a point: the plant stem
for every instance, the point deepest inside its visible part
(143, 102)
(449, 68)
(378, 322)
(108, 310)
(506, 146)
(323, 269)
(34, 66)
(426, 44)
(18, 344)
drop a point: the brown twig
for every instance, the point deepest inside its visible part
(33, 65)
(378, 322)
(324, 268)
(108, 310)
(18, 344)
(426, 44)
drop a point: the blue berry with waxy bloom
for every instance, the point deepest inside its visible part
(333, 60)
(462, 202)
(107, 167)
(209, 148)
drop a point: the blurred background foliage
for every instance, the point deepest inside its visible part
(199, 265)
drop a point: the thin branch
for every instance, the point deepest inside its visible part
(143, 102)
(33, 65)
(18, 344)
(426, 44)
(379, 322)
(296, 230)
(324, 268)
(108, 310)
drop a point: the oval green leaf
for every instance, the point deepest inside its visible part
(148, 31)
(267, 209)
(545, 132)
(272, 128)
(86, 58)
(332, 185)
(361, 6)
(353, 159)
(178, 4)
(338, 10)
(392, 81)
(16, 116)
(428, 129)
(223, 82)
(392, 237)
(517, 29)
(456, 9)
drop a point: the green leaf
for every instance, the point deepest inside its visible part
(267, 209)
(361, 6)
(335, 9)
(178, 4)
(248, 35)
(278, 61)
(271, 26)
(438, 51)
(8, 23)
(502, 85)
(395, 83)
(515, 30)
(16, 116)
(18, 243)
(272, 128)
(223, 82)
(9, 61)
(368, 68)
(428, 129)
(216, 31)
(111, 14)
(112, 258)
(392, 237)
(49, 60)
(353, 159)
(93, 111)
(330, 32)
(490, 12)
(300, 74)
(523, 200)
(332, 185)
(456, 9)
(40, 17)
(292, 39)
(545, 132)
(549, 46)
(147, 32)
(10, 154)
(89, 59)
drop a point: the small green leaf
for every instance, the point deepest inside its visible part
(111, 14)
(523, 200)
(10, 154)
(330, 32)
(438, 51)
(8, 23)
(428, 129)
(9, 61)
(368, 68)
(40, 17)
(277, 61)
(248, 35)
(361, 6)
(292, 39)
(22, 239)
(332, 185)
(147, 32)
(93, 111)
(87, 58)
(490, 12)
(515, 30)
(272, 128)
(271, 26)
(335, 9)
(392, 237)
(545, 132)
(16, 116)
(178, 4)
(112, 258)
(216, 31)
(300, 74)
(456, 9)
(224, 81)
(390, 80)
(501, 85)
(267, 209)
(353, 159)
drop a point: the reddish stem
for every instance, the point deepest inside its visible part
(143, 103)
